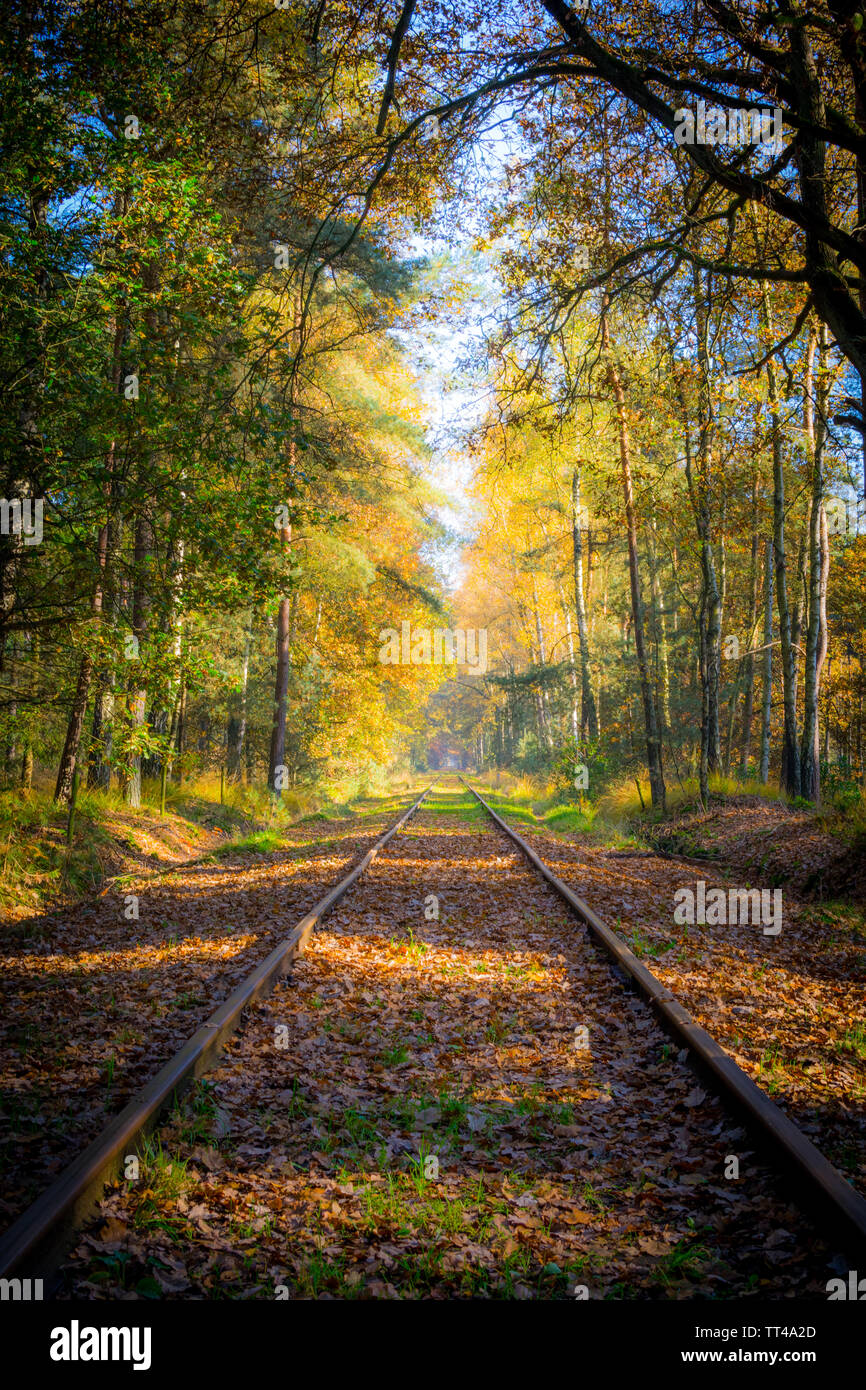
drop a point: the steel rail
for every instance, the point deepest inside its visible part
(832, 1192)
(36, 1242)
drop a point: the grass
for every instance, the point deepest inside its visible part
(320, 1274)
(410, 1205)
(162, 1180)
(854, 1041)
(364, 1132)
(570, 819)
(684, 1261)
(525, 804)
(845, 919)
(844, 815)
(643, 945)
(497, 1030)
(542, 809)
(298, 1107)
(773, 1069)
(622, 803)
(409, 946)
(540, 806)
(459, 803)
(35, 862)
(258, 842)
(38, 868)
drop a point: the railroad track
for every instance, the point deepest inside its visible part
(513, 1041)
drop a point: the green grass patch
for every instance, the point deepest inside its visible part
(259, 842)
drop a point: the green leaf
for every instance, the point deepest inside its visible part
(148, 1287)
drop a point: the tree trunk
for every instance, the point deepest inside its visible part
(704, 761)
(749, 671)
(141, 607)
(277, 752)
(588, 712)
(69, 757)
(24, 477)
(277, 756)
(180, 743)
(102, 734)
(768, 665)
(662, 627)
(541, 693)
(789, 778)
(653, 740)
(810, 757)
(236, 749)
(572, 673)
(702, 501)
(27, 752)
(102, 729)
(790, 771)
(822, 609)
(827, 720)
(66, 770)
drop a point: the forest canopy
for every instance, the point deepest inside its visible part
(255, 261)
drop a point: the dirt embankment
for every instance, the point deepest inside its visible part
(774, 844)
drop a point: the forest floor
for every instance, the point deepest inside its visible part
(816, 855)
(41, 871)
(788, 1008)
(95, 1001)
(432, 1129)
